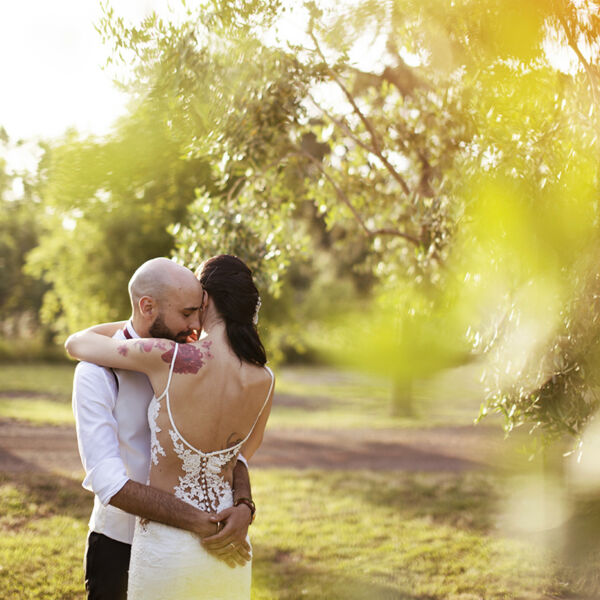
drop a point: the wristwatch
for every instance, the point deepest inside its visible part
(248, 502)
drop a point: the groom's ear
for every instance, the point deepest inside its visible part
(147, 306)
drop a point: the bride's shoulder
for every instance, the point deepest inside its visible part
(191, 357)
(267, 373)
(259, 376)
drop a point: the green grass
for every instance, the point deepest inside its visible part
(37, 393)
(43, 524)
(330, 535)
(387, 535)
(50, 380)
(327, 398)
(37, 411)
(305, 397)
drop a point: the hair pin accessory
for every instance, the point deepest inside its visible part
(255, 317)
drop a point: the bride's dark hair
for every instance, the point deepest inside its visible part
(228, 281)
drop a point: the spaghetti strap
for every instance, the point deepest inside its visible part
(264, 404)
(170, 373)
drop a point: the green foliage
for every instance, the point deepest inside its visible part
(18, 235)
(428, 205)
(20, 295)
(107, 207)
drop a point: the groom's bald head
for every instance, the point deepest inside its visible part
(150, 279)
(166, 300)
(158, 278)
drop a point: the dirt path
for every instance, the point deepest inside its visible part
(29, 448)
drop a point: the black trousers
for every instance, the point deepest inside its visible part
(106, 567)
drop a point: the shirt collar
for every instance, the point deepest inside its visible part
(129, 328)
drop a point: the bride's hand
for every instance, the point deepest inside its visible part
(230, 543)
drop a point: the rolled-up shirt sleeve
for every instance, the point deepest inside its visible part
(94, 396)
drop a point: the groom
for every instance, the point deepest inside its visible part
(113, 435)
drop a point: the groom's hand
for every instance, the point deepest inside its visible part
(230, 543)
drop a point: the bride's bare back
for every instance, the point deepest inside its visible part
(217, 403)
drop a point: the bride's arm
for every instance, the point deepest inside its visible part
(143, 354)
(108, 329)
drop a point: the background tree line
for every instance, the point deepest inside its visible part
(415, 185)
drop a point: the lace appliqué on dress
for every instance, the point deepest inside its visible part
(155, 447)
(202, 485)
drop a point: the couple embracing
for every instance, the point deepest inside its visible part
(165, 422)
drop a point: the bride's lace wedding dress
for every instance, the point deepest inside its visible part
(172, 563)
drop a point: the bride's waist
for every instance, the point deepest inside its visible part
(155, 540)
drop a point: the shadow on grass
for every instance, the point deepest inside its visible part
(282, 400)
(466, 501)
(35, 395)
(283, 574)
(286, 449)
(41, 495)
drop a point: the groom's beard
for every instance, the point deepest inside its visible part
(158, 329)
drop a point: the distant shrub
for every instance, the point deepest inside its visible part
(30, 350)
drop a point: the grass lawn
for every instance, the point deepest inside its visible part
(36, 410)
(37, 393)
(48, 379)
(319, 534)
(330, 535)
(304, 397)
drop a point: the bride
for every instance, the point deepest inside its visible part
(212, 400)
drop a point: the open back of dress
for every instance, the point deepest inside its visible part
(171, 563)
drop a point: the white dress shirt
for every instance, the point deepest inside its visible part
(111, 417)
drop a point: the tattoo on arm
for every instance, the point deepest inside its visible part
(143, 346)
(190, 357)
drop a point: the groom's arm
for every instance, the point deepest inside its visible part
(241, 481)
(157, 505)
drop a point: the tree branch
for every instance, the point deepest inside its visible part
(374, 137)
(345, 200)
(242, 180)
(586, 65)
(236, 187)
(342, 125)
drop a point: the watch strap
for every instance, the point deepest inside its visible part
(250, 504)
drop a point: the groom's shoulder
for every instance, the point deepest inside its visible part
(87, 368)
(90, 374)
